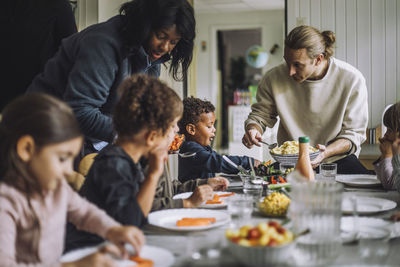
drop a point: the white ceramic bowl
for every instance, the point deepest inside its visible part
(261, 255)
(291, 158)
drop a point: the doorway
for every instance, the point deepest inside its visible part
(236, 74)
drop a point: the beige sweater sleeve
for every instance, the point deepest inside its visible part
(263, 112)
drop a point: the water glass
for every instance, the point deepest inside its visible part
(283, 167)
(240, 208)
(252, 186)
(328, 170)
(316, 206)
(374, 246)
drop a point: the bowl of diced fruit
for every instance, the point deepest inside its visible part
(266, 244)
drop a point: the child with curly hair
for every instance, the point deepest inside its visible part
(197, 124)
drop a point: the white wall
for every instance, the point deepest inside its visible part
(368, 37)
(272, 25)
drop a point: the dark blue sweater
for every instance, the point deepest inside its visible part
(88, 69)
(206, 162)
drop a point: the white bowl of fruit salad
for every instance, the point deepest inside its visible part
(262, 245)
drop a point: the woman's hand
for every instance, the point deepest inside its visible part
(322, 155)
(120, 235)
(218, 183)
(385, 146)
(200, 194)
(251, 137)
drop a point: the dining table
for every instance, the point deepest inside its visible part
(209, 247)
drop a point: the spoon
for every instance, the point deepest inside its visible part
(270, 146)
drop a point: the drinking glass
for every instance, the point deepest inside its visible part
(283, 167)
(240, 208)
(252, 186)
(328, 170)
(315, 206)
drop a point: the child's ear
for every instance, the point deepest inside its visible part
(191, 129)
(151, 137)
(26, 147)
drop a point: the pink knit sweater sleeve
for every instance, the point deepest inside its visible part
(86, 216)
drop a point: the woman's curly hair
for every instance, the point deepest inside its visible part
(142, 17)
(192, 109)
(145, 102)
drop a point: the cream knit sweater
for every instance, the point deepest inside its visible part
(325, 110)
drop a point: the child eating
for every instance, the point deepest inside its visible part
(197, 124)
(39, 138)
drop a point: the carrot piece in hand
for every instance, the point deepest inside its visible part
(227, 194)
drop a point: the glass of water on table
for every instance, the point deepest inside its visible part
(252, 186)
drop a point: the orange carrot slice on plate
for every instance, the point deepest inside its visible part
(195, 222)
(141, 262)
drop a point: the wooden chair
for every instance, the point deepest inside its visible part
(77, 178)
(85, 163)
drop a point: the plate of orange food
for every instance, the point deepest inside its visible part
(188, 219)
(219, 199)
(149, 256)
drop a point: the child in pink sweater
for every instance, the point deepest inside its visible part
(39, 138)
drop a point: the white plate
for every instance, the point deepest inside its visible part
(359, 180)
(366, 227)
(160, 256)
(367, 205)
(167, 218)
(204, 205)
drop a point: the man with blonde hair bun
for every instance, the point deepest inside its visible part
(315, 95)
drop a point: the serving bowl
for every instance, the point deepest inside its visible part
(267, 244)
(261, 255)
(291, 159)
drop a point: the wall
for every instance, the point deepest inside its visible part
(272, 25)
(368, 37)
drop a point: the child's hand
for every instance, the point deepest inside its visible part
(257, 163)
(395, 217)
(396, 146)
(120, 235)
(385, 147)
(99, 259)
(157, 158)
(218, 183)
(200, 194)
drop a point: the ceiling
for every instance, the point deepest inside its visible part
(225, 6)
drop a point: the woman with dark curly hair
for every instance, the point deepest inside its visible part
(91, 64)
